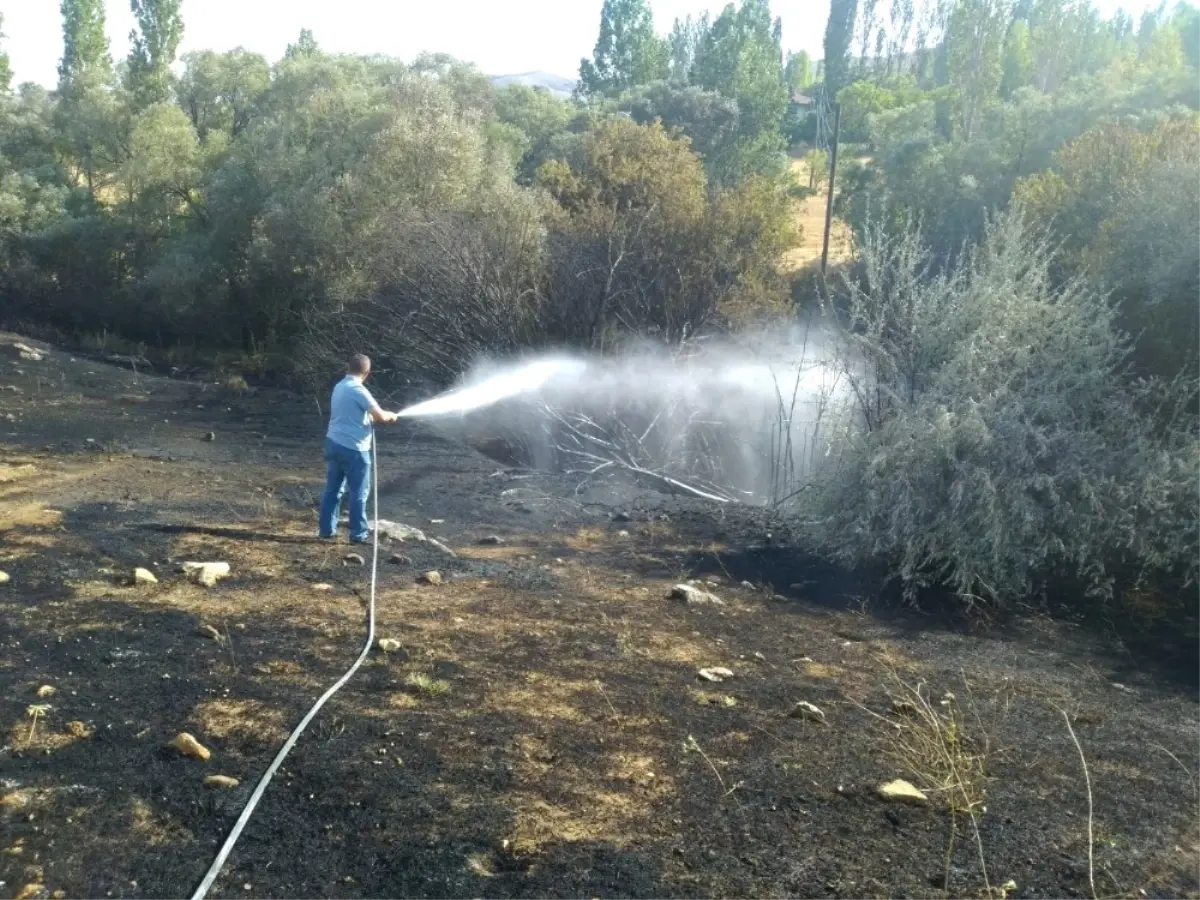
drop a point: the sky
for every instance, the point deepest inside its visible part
(500, 36)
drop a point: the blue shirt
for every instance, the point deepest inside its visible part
(349, 414)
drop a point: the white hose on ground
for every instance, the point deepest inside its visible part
(215, 869)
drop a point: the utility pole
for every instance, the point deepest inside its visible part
(837, 122)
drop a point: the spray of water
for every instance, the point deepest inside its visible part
(748, 422)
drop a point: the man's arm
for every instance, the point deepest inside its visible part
(380, 415)
(377, 413)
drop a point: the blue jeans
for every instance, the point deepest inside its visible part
(349, 470)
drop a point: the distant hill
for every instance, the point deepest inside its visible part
(555, 84)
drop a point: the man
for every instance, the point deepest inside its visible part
(352, 409)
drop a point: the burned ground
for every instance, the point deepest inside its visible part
(541, 730)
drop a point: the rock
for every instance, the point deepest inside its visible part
(77, 729)
(431, 577)
(221, 781)
(694, 596)
(716, 674)
(808, 711)
(353, 559)
(210, 437)
(622, 516)
(25, 352)
(901, 791)
(749, 585)
(206, 573)
(47, 690)
(143, 576)
(399, 559)
(209, 632)
(405, 533)
(189, 746)
(322, 586)
(4, 578)
(492, 540)
(32, 891)
(11, 388)
(388, 645)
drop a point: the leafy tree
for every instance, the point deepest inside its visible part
(798, 73)
(710, 121)
(537, 117)
(5, 67)
(220, 91)
(627, 52)
(864, 99)
(152, 51)
(87, 116)
(740, 58)
(641, 246)
(1018, 59)
(682, 44)
(85, 61)
(305, 46)
(1187, 23)
(839, 32)
(974, 57)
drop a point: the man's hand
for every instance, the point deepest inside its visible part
(380, 416)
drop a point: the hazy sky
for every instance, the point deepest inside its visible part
(500, 36)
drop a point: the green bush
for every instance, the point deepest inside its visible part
(997, 438)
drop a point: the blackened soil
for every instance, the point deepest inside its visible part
(542, 729)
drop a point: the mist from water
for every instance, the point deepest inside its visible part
(746, 422)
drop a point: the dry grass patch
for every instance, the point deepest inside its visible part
(240, 719)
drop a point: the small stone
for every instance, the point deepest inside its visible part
(144, 576)
(206, 573)
(322, 586)
(491, 540)
(189, 746)
(210, 436)
(901, 791)
(47, 690)
(808, 711)
(4, 579)
(209, 632)
(388, 645)
(399, 559)
(221, 781)
(716, 674)
(77, 729)
(404, 533)
(694, 596)
(31, 892)
(353, 559)
(433, 577)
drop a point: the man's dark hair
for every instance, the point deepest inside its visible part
(359, 364)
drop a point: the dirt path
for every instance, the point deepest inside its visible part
(542, 730)
(810, 219)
